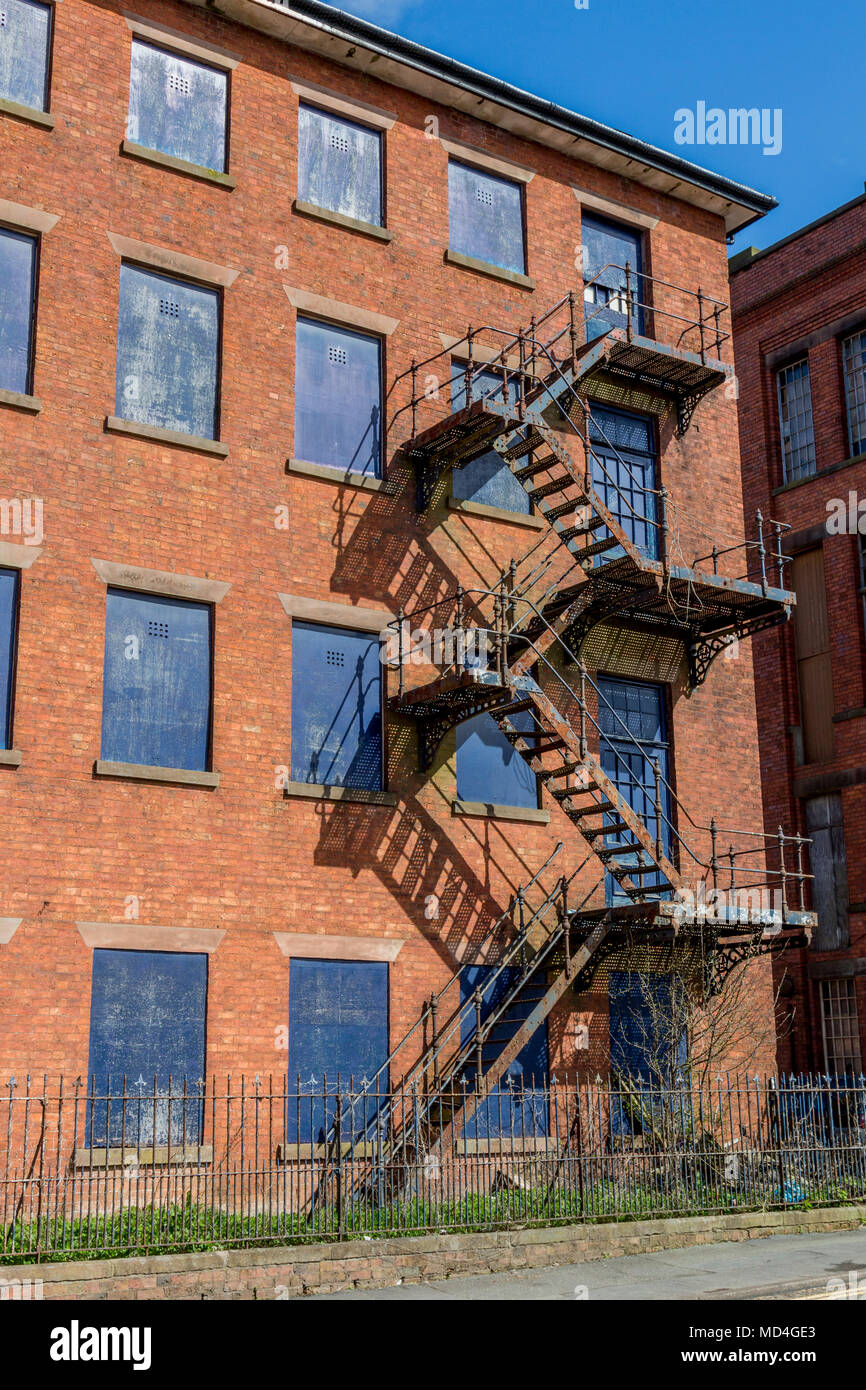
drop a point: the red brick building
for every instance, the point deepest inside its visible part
(234, 840)
(799, 314)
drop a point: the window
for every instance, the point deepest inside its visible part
(147, 1033)
(336, 707)
(25, 39)
(338, 1040)
(517, 1107)
(814, 659)
(625, 475)
(486, 217)
(841, 1027)
(489, 770)
(487, 480)
(168, 344)
(339, 165)
(861, 571)
(156, 701)
(854, 364)
(607, 249)
(795, 421)
(178, 106)
(17, 306)
(633, 724)
(8, 629)
(338, 398)
(827, 862)
(647, 1039)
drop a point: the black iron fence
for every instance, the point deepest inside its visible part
(132, 1168)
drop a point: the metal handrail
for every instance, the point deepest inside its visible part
(703, 324)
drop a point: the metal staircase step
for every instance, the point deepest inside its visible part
(598, 548)
(555, 485)
(507, 710)
(539, 466)
(522, 447)
(569, 533)
(549, 773)
(610, 851)
(613, 829)
(563, 508)
(635, 870)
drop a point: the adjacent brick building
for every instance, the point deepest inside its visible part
(800, 330)
(220, 262)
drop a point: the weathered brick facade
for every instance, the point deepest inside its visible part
(242, 858)
(800, 300)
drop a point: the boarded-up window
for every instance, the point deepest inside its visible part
(338, 398)
(841, 1027)
(157, 688)
(486, 217)
(177, 106)
(608, 249)
(339, 165)
(487, 479)
(25, 36)
(647, 1031)
(517, 1106)
(489, 769)
(147, 1041)
(825, 828)
(336, 707)
(17, 297)
(338, 1041)
(167, 353)
(812, 631)
(8, 624)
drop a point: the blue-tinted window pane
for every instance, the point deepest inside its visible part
(336, 707)
(517, 1106)
(486, 217)
(8, 623)
(795, 420)
(624, 474)
(489, 770)
(339, 165)
(167, 353)
(17, 287)
(156, 695)
(147, 1020)
(633, 735)
(177, 106)
(854, 360)
(338, 1023)
(338, 398)
(487, 479)
(25, 36)
(647, 1041)
(607, 249)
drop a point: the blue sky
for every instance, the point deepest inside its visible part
(634, 63)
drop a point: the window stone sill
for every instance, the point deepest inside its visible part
(10, 757)
(185, 441)
(819, 473)
(131, 1156)
(496, 272)
(333, 475)
(856, 712)
(488, 811)
(28, 113)
(460, 504)
(339, 219)
(21, 401)
(143, 772)
(313, 791)
(180, 166)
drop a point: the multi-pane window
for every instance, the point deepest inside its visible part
(489, 769)
(486, 217)
(147, 1044)
(854, 364)
(156, 704)
(338, 398)
(25, 42)
(8, 627)
(841, 1027)
(168, 346)
(608, 250)
(517, 1107)
(339, 165)
(795, 421)
(17, 301)
(488, 479)
(633, 724)
(178, 106)
(624, 471)
(336, 707)
(861, 571)
(338, 1041)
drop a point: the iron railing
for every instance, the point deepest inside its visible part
(242, 1162)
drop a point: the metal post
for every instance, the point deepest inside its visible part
(663, 510)
(479, 1043)
(414, 398)
(628, 310)
(434, 1039)
(572, 326)
(783, 872)
(762, 550)
(458, 622)
(563, 888)
(657, 772)
(800, 875)
(714, 859)
(780, 558)
(400, 620)
(701, 322)
(582, 670)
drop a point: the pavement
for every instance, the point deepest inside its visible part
(823, 1266)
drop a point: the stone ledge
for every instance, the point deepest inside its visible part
(180, 166)
(185, 441)
(496, 272)
(10, 757)
(315, 791)
(339, 219)
(21, 401)
(490, 811)
(124, 1158)
(28, 113)
(338, 477)
(469, 508)
(143, 772)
